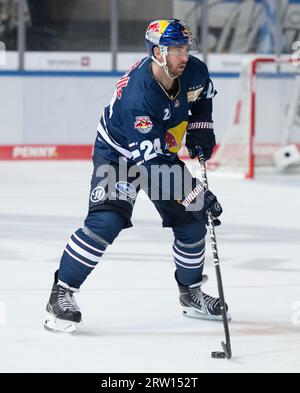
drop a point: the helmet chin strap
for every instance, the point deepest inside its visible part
(164, 66)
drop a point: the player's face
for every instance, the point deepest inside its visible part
(177, 59)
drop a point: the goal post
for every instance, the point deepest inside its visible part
(264, 129)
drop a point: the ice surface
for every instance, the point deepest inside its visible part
(132, 320)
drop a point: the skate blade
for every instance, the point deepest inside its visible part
(55, 325)
(193, 313)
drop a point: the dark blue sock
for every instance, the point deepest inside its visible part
(189, 252)
(87, 245)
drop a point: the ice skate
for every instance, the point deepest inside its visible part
(197, 304)
(63, 313)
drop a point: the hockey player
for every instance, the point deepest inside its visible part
(162, 97)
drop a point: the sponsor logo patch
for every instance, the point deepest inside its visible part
(143, 124)
(97, 194)
(126, 189)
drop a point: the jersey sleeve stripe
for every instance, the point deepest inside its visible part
(107, 139)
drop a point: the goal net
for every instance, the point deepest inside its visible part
(264, 130)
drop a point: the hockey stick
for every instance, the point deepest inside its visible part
(226, 346)
(186, 202)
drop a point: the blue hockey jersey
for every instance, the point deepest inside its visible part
(144, 123)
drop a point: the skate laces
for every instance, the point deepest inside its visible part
(197, 296)
(211, 302)
(66, 299)
(205, 301)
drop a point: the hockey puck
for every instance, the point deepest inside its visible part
(218, 355)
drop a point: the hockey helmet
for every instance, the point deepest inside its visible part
(168, 32)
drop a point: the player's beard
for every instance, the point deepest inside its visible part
(178, 70)
(181, 68)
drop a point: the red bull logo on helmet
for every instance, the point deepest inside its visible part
(158, 26)
(154, 27)
(143, 124)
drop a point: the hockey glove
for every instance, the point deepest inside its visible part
(200, 137)
(211, 203)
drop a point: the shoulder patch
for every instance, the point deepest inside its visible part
(143, 124)
(193, 95)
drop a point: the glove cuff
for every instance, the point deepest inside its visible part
(201, 125)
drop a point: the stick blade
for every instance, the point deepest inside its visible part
(227, 350)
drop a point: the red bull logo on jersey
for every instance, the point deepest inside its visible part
(174, 137)
(171, 140)
(143, 124)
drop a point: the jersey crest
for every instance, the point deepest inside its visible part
(143, 124)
